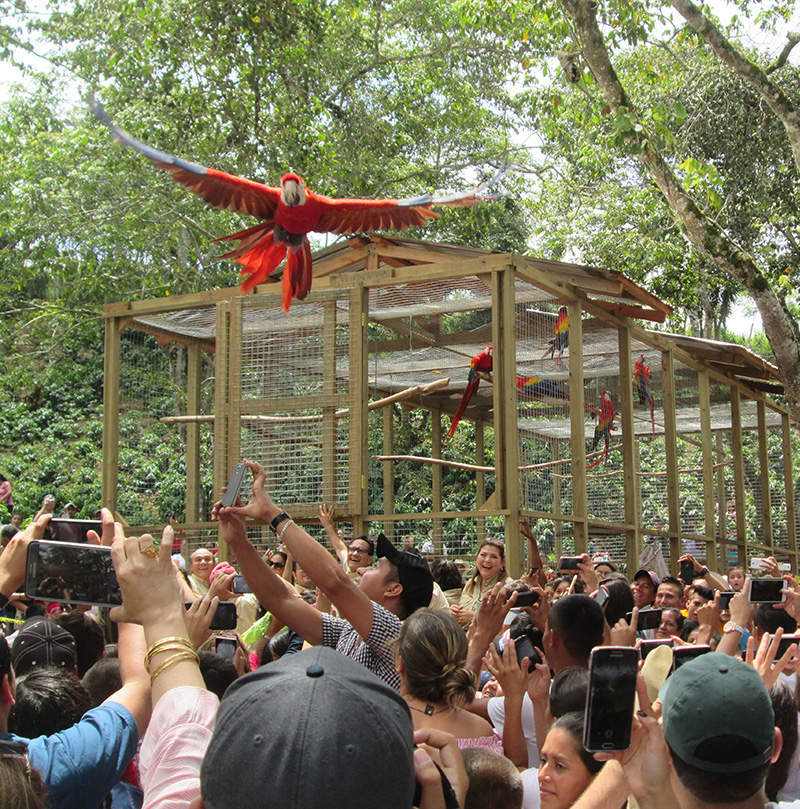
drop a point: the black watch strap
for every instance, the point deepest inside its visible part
(284, 515)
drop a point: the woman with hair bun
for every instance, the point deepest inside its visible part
(430, 657)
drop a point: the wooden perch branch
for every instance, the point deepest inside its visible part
(400, 396)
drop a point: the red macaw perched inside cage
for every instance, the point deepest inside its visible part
(480, 367)
(641, 374)
(289, 213)
(605, 424)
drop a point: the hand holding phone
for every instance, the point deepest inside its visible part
(608, 720)
(768, 591)
(569, 562)
(648, 619)
(234, 485)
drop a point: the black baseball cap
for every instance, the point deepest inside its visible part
(414, 573)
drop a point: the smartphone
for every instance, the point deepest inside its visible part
(608, 719)
(73, 573)
(758, 563)
(785, 642)
(725, 599)
(63, 530)
(683, 654)
(647, 646)
(524, 647)
(524, 599)
(601, 596)
(239, 585)
(226, 647)
(767, 591)
(648, 619)
(234, 484)
(687, 571)
(569, 562)
(224, 617)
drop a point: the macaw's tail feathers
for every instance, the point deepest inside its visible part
(297, 275)
(257, 252)
(462, 405)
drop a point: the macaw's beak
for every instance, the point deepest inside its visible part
(292, 194)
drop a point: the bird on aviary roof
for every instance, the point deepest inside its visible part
(479, 368)
(288, 213)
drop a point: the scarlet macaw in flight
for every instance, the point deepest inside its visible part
(641, 373)
(605, 424)
(289, 213)
(561, 340)
(480, 367)
(534, 387)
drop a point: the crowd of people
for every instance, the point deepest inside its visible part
(370, 677)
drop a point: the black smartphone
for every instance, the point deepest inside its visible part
(224, 617)
(648, 619)
(239, 585)
(608, 719)
(569, 562)
(226, 647)
(450, 798)
(785, 642)
(525, 648)
(234, 484)
(725, 599)
(526, 598)
(683, 654)
(767, 591)
(63, 530)
(687, 571)
(73, 573)
(647, 646)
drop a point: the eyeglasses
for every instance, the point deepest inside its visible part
(359, 551)
(279, 565)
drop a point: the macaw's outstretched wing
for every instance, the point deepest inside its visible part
(217, 188)
(534, 387)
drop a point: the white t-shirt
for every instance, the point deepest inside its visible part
(530, 788)
(497, 716)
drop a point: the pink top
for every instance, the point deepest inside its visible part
(174, 746)
(493, 743)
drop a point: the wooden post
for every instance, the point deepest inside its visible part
(577, 432)
(739, 489)
(329, 386)
(722, 505)
(480, 478)
(194, 379)
(221, 396)
(710, 530)
(436, 447)
(768, 535)
(111, 366)
(388, 470)
(557, 478)
(506, 435)
(359, 393)
(788, 483)
(629, 455)
(671, 454)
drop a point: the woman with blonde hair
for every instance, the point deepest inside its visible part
(430, 657)
(490, 568)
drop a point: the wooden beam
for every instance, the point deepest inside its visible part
(710, 532)
(737, 451)
(359, 394)
(194, 381)
(480, 477)
(111, 381)
(671, 456)
(329, 385)
(578, 438)
(788, 487)
(629, 454)
(221, 394)
(436, 447)
(763, 461)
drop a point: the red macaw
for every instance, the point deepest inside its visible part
(289, 213)
(641, 373)
(561, 340)
(605, 424)
(534, 387)
(480, 367)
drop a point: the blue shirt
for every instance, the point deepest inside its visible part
(81, 764)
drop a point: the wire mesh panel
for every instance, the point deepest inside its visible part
(289, 388)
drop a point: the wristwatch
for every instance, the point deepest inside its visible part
(732, 626)
(284, 515)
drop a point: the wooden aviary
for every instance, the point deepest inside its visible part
(391, 325)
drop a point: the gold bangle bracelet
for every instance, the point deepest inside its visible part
(171, 661)
(167, 644)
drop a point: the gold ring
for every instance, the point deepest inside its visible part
(151, 550)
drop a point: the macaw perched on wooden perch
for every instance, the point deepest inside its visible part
(479, 368)
(534, 387)
(641, 374)
(605, 424)
(290, 212)
(561, 340)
